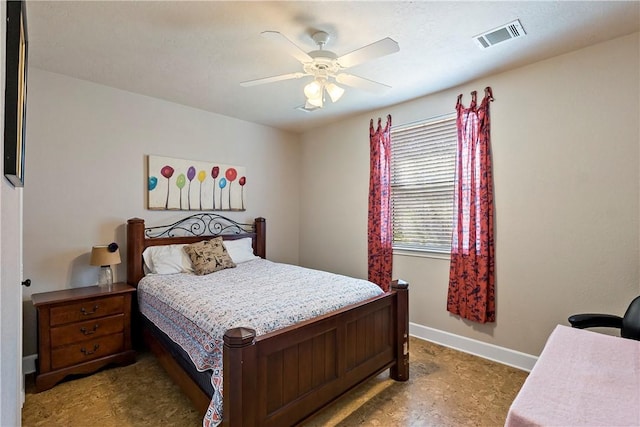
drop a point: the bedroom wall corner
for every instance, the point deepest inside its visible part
(335, 176)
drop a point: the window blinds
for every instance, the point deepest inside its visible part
(423, 159)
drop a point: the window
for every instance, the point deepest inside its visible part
(423, 157)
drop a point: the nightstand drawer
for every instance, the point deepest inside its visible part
(87, 309)
(90, 329)
(77, 353)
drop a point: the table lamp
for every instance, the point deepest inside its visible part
(105, 256)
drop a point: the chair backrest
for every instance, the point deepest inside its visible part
(631, 321)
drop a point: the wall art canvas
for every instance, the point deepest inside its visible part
(15, 100)
(194, 185)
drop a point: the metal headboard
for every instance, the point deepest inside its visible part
(202, 224)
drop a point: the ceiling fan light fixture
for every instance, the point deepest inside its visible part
(325, 66)
(334, 91)
(313, 89)
(317, 101)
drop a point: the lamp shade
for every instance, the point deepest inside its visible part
(316, 102)
(334, 91)
(103, 255)
(313, 89)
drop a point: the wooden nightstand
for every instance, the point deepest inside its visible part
(81, 330)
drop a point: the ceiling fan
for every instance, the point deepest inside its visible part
(325, 66)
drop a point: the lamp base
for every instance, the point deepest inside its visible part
(105, 277)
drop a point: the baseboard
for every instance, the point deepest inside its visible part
(485, 350)
(29, 364)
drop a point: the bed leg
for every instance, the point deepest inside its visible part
(239, 378)
(400, 371)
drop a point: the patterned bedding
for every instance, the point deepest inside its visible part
(195, 311)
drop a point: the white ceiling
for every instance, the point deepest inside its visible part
(197, 53)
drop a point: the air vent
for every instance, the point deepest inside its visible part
(508, 31)
(307, 108)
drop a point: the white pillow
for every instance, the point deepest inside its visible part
(240, 250)
(167, 259)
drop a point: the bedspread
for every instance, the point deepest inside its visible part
(196, 311)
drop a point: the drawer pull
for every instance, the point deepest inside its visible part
(90, 332)
(89, 313)
(89, 352)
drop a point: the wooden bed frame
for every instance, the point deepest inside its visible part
(285, 376)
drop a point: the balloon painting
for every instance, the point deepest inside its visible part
(215, 186)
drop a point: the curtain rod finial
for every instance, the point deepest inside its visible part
(488, 92)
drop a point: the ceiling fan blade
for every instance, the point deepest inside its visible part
(287, 45)
(272, 79)
(362, 83)
(374, 50)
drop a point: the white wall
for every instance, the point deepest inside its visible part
(10, 289)
(86, 175)
(565, 138)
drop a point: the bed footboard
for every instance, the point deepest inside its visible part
(283, 377)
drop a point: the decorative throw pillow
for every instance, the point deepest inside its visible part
(209, 256)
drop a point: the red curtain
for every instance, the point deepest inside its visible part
(471, 292)
(380, 234)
